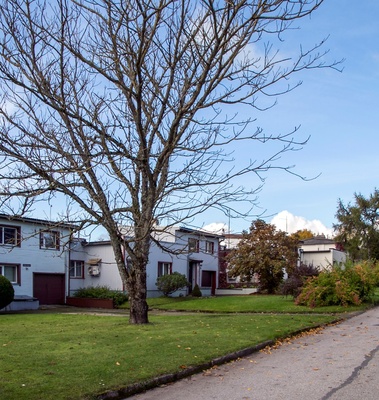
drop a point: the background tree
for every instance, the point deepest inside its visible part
(302, 234)
(357, 227)
(126, 110)
(266, 252)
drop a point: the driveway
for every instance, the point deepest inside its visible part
(339, 362)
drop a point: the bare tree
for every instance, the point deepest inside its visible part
(124, 108)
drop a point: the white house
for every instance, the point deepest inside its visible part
(45, 263)
(321, 252)
(34, 256)
(193, 253)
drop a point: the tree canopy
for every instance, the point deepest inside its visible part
(357, 228)
(266, 252)
(302, 234)
(127, 110)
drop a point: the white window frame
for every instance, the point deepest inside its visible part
(15, 236)
(164, 268)
(16, 267)
(193, 245)
(54, 240)
(75, 266)
(209, 247)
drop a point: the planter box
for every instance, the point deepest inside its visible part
(89, 303)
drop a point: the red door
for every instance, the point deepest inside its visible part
(49, 288)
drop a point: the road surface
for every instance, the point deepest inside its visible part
(340, 362)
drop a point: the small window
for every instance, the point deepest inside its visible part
(49, 240)
(193, 245)
(77, 269)
(209, 247)
(10, 235)
(11, 272)
(164, 268)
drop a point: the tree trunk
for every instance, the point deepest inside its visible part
(136, 286)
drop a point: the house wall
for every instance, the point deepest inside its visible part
(318, 259)
(323, 259)
(339, 256)
(109, 275)
(31, 258)
(176, 243)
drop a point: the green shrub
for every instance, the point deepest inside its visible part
(170, 283)
(6, 292)
(351, 284)
(102, 292)
(196, 292)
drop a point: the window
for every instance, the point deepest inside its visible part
(164, 268)
(10, 235)
(206, 278)
(11, 272)
(49, 240)
(77, 269)
(193, 245)
(209, 247)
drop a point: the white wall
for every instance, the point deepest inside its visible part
(109, 274)
(31, 258)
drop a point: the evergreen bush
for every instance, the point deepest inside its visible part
(170, 283)
(196, 292)
(6, 292)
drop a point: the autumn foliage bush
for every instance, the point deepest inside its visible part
(341, 285)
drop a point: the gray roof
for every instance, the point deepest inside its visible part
(318, 240)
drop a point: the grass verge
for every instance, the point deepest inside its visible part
(64, 356)
(246, 304)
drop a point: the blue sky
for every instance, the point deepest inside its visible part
(340, 111)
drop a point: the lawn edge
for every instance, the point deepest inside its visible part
(140, 387)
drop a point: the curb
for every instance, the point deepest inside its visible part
(123, 393)
(170, 378)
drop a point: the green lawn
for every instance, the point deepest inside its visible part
(67, 356)
(244, 304)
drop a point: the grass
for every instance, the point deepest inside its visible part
(70, 357)
(63, 356)
(243, 304)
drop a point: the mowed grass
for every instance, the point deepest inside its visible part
(244, 304)
(77, 356)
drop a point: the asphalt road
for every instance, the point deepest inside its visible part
(340, 362)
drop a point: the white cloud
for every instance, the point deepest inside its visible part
(216, 227)
(285, 221)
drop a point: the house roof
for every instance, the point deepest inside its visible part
(200, 232)
(321, 239)
(37, 221)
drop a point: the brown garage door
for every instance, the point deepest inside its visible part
(48, 288)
